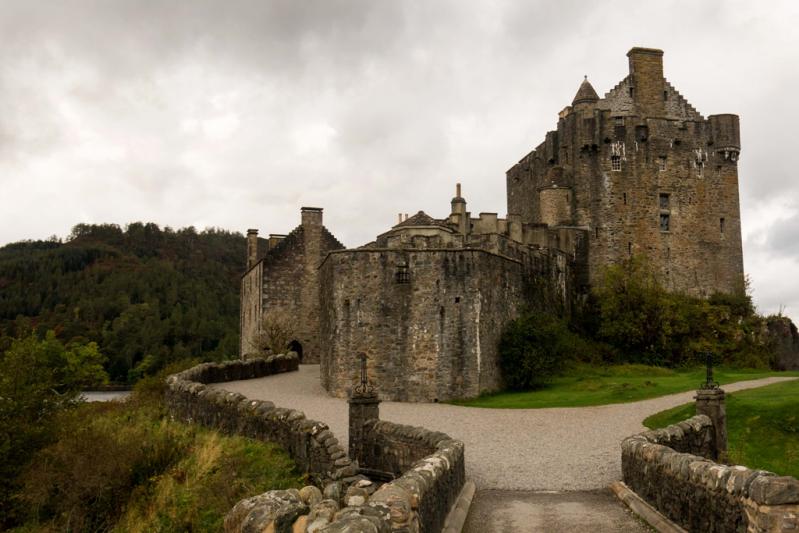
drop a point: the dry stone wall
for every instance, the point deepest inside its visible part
(431, 473)
(669, 469)
(310, 443)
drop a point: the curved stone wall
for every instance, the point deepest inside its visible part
(669, 469)
(428, 466)
(310, 443)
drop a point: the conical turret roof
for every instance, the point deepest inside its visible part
(585, 94)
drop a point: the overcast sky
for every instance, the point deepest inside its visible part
(235, 114)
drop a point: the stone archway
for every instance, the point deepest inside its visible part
(296, 346)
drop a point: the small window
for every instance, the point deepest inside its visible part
(615, 163)
(620, 121)
(624, 197)
(662, 163)
(721, 225)
(631, 92)
(596, 231)
(664, 222)
(665, 95)
(629, 248)
(457, 299)
(664, 200)
(402, 275)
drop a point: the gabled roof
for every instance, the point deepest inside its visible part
(585, 94)
(419, 219)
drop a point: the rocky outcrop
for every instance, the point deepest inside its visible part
(785, 338)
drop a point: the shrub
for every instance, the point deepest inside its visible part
(533, 348)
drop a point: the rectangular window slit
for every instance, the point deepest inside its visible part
(721, 225)
(664, 222)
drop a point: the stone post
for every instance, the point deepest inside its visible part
(710, 402)
(362, 409)
(364, 406)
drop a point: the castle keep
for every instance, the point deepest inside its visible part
(644, 173)
(639, 171)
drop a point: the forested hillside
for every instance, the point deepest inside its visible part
(148, 296)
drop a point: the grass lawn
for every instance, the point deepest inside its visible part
(762, 427)
(586, 385)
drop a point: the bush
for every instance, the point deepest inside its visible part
(630, 311)
(534, 347)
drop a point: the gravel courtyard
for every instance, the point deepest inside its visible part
(558, 449)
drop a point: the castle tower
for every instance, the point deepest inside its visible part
(640, 172)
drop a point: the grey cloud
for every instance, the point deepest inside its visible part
(419, 94)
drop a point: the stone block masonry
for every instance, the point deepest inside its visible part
(310, 443)
(670, 469)
(428, 466)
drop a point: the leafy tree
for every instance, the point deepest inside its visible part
(139, 292)
(534, 347)
(38, 379)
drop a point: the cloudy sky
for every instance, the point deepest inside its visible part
(234, 114)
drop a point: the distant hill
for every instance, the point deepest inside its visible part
(146, 295)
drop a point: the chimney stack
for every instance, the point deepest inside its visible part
(648, 85)
(311, 216)
(252, 248)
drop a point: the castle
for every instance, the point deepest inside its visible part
(639, 171)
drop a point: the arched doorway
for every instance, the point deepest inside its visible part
(295, 346)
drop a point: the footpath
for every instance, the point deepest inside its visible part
(535, 469)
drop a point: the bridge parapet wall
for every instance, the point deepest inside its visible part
(670, 469)
(310, 443)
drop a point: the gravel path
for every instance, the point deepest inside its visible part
(561, 449)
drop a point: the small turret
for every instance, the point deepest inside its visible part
(585, 94)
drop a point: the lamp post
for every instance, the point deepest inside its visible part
(710, 402)
(364, 406)
(709, 383)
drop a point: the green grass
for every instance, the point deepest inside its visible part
(586, 385)
(762, 427)
(130, 467)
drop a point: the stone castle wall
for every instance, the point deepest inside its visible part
(429, 336)
(433, 334)
(670, 469)
(251, 300)
(286, 282)
(662, 147)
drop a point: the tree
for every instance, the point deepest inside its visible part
(277, 331)
(38, 378)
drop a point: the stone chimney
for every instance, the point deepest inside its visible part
(311, 216)
(252, 248)
(458, 215)
(648, 84)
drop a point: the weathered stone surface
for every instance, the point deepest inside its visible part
(658, 157)
(774, 490)
(286, 277)
(310, 495)
(277, 509)
(333, 491)
(355, 496)
(701, 495)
